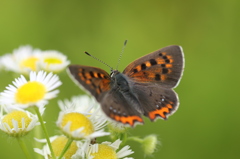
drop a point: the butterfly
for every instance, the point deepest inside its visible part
(145, 87)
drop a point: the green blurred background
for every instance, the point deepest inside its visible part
(207, 122)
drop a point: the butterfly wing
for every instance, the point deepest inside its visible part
(152, 78)
(116, 106)
(156, 101)
(164, 66)
(93, 79)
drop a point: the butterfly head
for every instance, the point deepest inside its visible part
(115, 78)
(114, 73)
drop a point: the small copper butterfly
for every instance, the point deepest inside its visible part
(145, 87)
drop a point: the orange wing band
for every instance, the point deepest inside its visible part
(161, 112)
(127, 120)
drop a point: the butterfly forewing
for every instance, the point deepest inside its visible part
(94, 80)
(162, 66)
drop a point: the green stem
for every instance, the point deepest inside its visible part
(37, 134)
(123, 138)
(68, 144)
(45, 131)
(24, 148)
(135, 139)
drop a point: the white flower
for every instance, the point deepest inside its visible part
(53, 61)
(58, 143)
(26, 59)
(107, 150)
(18, 122)
(22, 60)
(77, 123)
(80, 103)
(7, 62)
(35, 92)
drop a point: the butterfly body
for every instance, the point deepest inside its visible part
(143, 88)
(122, 86)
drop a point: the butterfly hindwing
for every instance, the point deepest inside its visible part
(119, 109)
(162, 66)
(156, 101)
(94, 80)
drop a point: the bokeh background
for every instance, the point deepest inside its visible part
(207, 122)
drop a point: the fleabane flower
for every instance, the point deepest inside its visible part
(7, 62)
(53, 61)
(108, 150)
(80, 103)
(35, 92)
(22, 60)
(81, 123)
(18, 123)
(58, 143)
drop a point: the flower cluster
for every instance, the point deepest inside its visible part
(80, 120)
(26, 59)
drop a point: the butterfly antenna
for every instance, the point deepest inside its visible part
(98, 60)
(124, 45)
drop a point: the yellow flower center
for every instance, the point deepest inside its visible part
(50, 61)
(78, 120)
(17, 115)
(29, 63)
(30, 92)
(104, 152)
(59, 143)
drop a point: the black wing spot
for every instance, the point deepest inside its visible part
(153, 62)
(83, 73)
(135, 70)
(164, 70)
(167, 60)
(163, 65)
(99, 75)
(143, 66)
(165, 57)
(157, 77)
(91, 74)
(105, 77)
